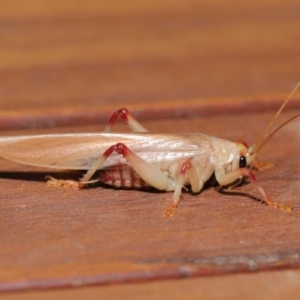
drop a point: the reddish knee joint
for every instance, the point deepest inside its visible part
(120, 148)
(249, 174)
(121, 113)
(109, 151)
(186, 165)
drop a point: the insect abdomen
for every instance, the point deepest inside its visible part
(122, 177)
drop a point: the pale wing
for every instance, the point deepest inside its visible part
(80, 151)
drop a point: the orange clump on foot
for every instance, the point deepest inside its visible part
(63, 183)
(287, 208)
(170, 210)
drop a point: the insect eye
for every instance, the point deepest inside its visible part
(243, 162)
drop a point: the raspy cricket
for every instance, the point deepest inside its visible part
(167, 162)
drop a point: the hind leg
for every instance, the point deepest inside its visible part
(133, 124)
(147, 171)
(129, 119)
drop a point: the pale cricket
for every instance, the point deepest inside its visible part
(166, 162)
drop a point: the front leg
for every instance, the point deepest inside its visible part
(230, 177)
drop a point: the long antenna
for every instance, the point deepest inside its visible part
(256, 144)
(258, 148)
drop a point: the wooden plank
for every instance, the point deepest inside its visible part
(264, 285)
(56, 237)
(57, 56)
(171, 62)
(94, 115)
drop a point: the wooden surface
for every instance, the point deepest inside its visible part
(262, 286)
(59, 60)
(170, 62)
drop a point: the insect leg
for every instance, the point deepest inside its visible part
(147, 171)
(226, 179)
(129, 119)
(187, 172)
(51, 181)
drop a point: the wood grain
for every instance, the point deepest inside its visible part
(59, 237)
(57, 56)
(214, 67)
(263, 285)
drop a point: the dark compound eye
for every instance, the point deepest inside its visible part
(243, 162)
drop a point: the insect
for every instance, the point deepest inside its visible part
(167, 162)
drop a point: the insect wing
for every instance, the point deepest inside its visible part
(80, 151)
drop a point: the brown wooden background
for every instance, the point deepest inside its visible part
(216, 67)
